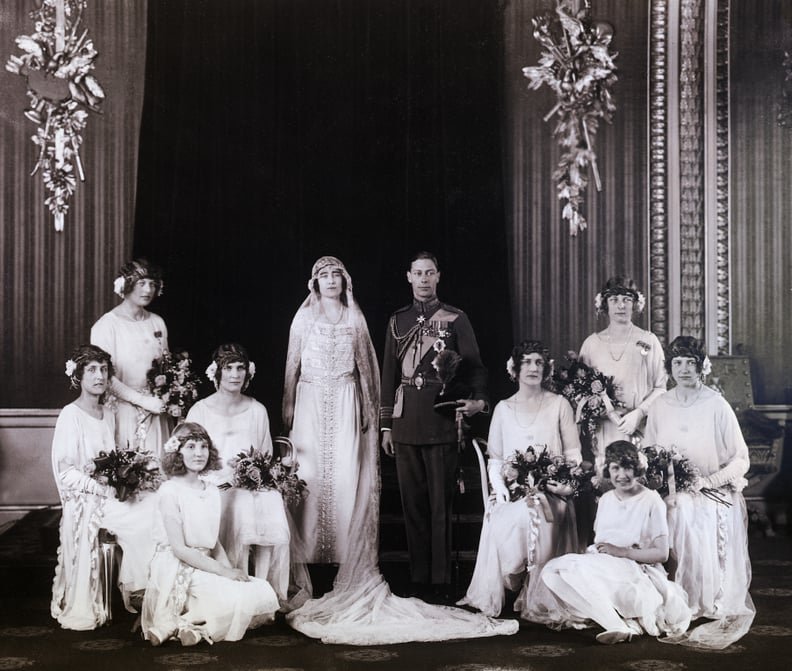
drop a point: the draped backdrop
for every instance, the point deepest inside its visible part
(276, 132)
(555, 276)
(55, 285)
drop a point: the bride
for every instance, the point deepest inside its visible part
(330, 404)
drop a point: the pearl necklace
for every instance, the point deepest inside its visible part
(340, 316)
(626, 343)
(536, 414)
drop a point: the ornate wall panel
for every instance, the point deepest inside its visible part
(55, 285)
(555, 276)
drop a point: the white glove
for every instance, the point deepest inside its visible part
(150, 404)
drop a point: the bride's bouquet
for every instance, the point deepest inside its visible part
(591, 393)
(528, 473)
(172, 379)
(256, 471)
(130, 472)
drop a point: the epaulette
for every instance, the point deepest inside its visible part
(451, 308)
(403, 309)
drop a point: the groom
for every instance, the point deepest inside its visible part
(423, 440)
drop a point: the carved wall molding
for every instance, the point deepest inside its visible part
(658, 169)
(723, 247)
(691, 168)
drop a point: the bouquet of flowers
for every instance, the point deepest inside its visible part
(172, 379)
(256, 471)
(129, 472)
(663, 464)
(591, 393)
(527, 473)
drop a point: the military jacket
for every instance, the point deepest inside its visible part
(418, 336)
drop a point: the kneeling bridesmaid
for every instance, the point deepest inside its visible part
(193, 592)
(619, 583)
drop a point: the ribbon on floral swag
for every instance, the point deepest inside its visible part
(610, 410)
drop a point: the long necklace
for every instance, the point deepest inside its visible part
(340, 316)
(692, 400)
(536, 414)
(626, 342)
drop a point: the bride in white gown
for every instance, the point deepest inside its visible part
(360, 609)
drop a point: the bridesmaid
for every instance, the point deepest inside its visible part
(518, 534)
(134, 337)
(83, 430)
(236, 422)
(633, 356)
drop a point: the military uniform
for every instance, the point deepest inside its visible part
(425, 440)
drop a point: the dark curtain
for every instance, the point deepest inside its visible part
(278, 131)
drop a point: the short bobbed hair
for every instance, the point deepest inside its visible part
(685, 346)
(82, 356)
(173, 462)
(231, 353)
(140, 269)
(524, 348)
(624, 453)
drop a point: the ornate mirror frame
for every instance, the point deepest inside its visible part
(689, 260)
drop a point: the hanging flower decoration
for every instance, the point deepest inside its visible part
(57, 61)
(577, 65)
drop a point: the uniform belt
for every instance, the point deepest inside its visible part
(410, 382)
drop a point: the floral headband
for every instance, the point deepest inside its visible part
(637, 296)
(140, 273)
(211, 372)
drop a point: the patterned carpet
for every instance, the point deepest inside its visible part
(30, 639)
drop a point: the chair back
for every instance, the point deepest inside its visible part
(283, 447)
(480, 448)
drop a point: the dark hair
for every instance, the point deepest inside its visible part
(344, 286)
(685, 346)
(619, 285)
(624, 453)
(140, 269)
(173, 462)
(530, 347)
(424, 256)
(82, 356)
(231, 353)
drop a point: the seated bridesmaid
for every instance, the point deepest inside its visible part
(619, 583)
(193, 591)
(524, 534)
(83, 430)
(236, 422)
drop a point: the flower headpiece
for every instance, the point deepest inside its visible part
(688, 346)
(522, 351)
(172, 445)
(225, 357)
(134, 271)
(81, 356)
(619, 285)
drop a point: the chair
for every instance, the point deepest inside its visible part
(108, 547)
(480, 448)
(284, 448)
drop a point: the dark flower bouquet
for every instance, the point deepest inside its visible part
(256, 471)
(591, 393)
(172, 379)
(664, 463)
(528, 472)
(129, 472)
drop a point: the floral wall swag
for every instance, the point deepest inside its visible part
(577, 65)
(57, 61)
